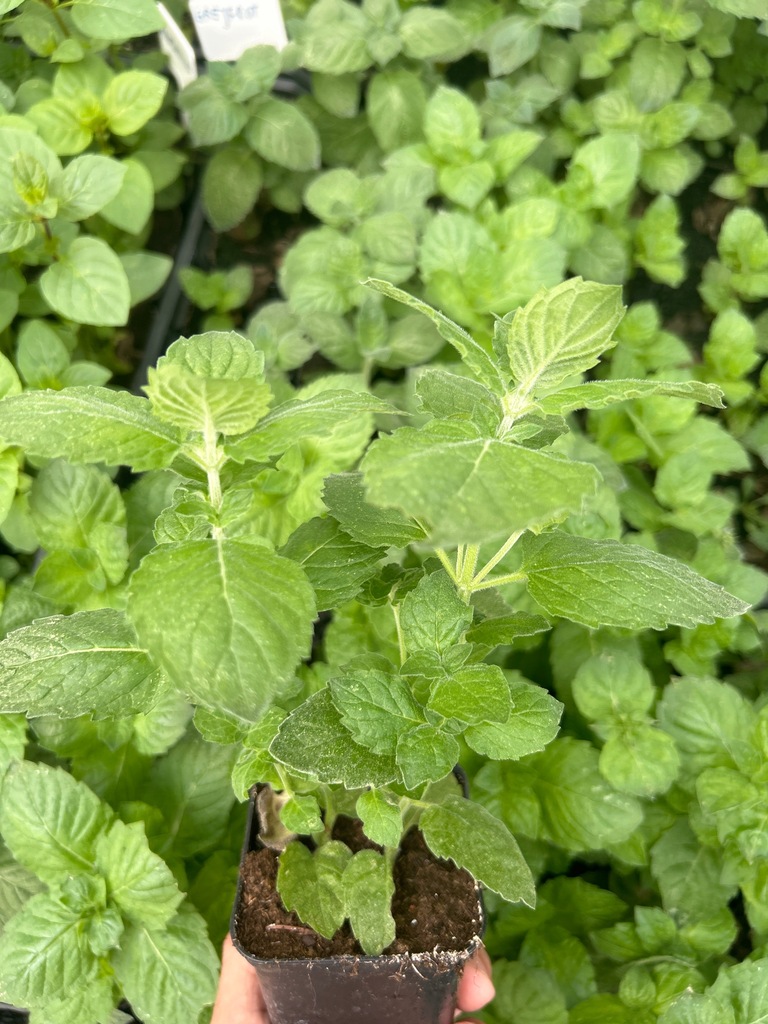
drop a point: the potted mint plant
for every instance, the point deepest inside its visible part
(432, 546)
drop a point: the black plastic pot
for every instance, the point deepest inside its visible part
(415, 988)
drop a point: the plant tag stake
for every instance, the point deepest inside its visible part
(182, 62)
(227, 30)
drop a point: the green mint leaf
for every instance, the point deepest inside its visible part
(476, 693)
(311, 884)
(506, 629)
(279, 132)
(336, 565)
(210, 382)
(600, 394)
(689, 874)
(13, 740)
(138, 881)
(78, 664)
(190, 785)
(344, 496)
(16, 886)
(45, 952)
(368, 890)
(131, 99)
(433, 617)
(473, 839)
(640, 760)
(132, 207)
(88, 424)
(473, 354)
(604, 582)
(168, 975)
(449, 396)
(532, 723)
(579, 810)
(313, 742)
(562, 331)
(376, 707)
(87, 185)
(88, 285)
(526, 995)
(50, 822)
(470, 488)
(228, 620)
(382, 821)
(232, 181)
(613, 685)
(301, 814)
(604, 170)
(424, 754)
(317, 415)
(116, 20)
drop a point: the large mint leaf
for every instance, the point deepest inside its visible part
(72, 665)
(470, 836)
(212, 381)
(140, 883)
(297, 419)
(313, 742)
(376, 707)
(17, 885)
(425, 754)
(600, 394)
(469, 488)
(279, 132)
(168, 975)
(88, 424)
(368, 890)
(310, 883)
(335, 564)
(604, 582)
(88, 285)
(562, 331)
(473, 354)
(50, 822)
(44, 952)
(228, 620)
(344, 496)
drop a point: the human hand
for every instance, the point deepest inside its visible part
(239, 1000)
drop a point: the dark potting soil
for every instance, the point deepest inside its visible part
(434, 906)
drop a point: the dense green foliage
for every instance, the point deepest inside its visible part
(537, 568)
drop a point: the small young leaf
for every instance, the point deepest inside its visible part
(425, 754)
(139, 882)
(603, 582)
(562, 331)
(376, 707)
(530, 726)
(344, 496)
(473, 839)
(368, 891)
(475, 693)
(312, 884)
(382, 821)
(313, 742)
(88, 284)
(301, 814)
(640, 760)
(433, 617)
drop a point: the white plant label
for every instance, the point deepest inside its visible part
(182, 62)
(227, 30)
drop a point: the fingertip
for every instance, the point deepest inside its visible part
(476, 988)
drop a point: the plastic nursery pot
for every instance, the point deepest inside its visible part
(408, 988)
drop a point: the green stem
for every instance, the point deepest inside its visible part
(460, 554)
(493, 562)
(329, 818)
(286, 782)
(500, 581)
(446, 562)
(211, 459)
(400, 639)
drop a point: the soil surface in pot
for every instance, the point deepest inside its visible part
(434, 906)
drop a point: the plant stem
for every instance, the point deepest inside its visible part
(499, 581)
(211, 461)
(442, 554)
(400, 639)
(493, 562)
